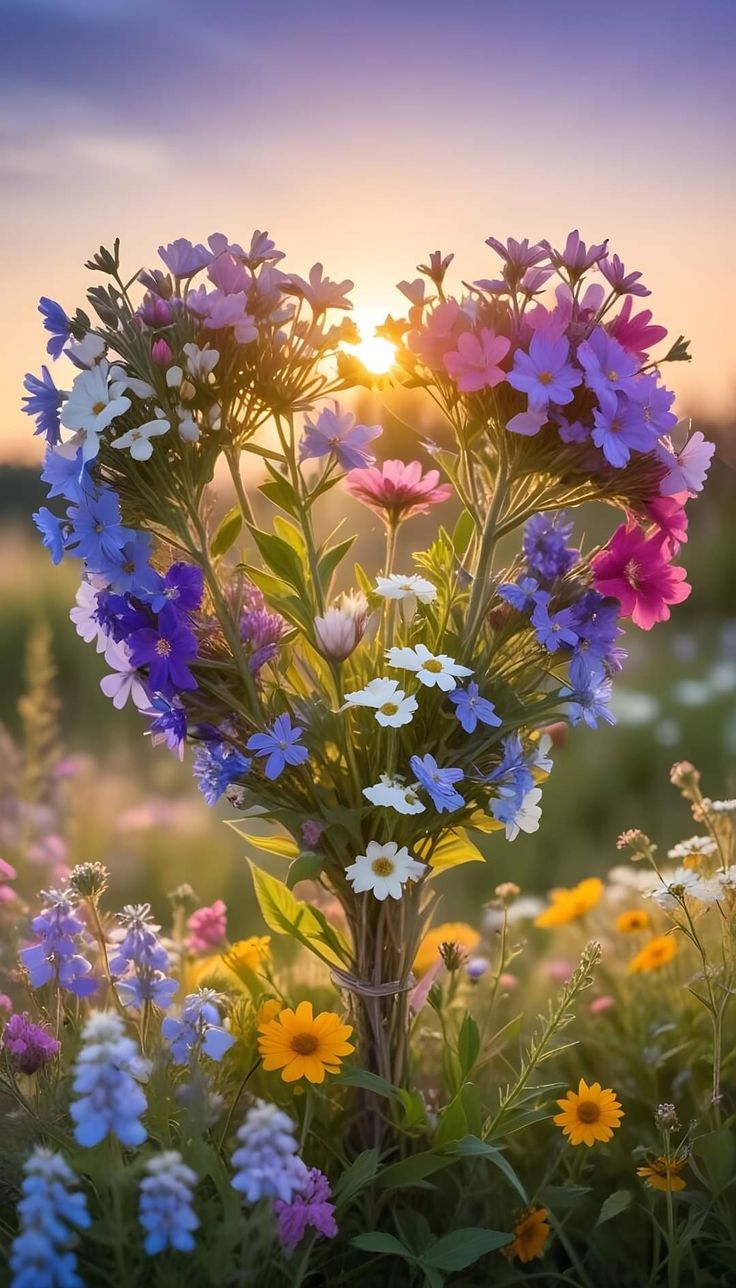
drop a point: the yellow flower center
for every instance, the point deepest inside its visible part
(388, 709)
(98, 407)
(304, 1043)
(433, 665)
(613, 376)
(163, 648)
(545, 377)
(631, 573)
(382, 867)
(588, 1111)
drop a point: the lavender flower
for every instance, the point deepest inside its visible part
(544, 373)
(280, 745)
(266, 1161)
(609, 368)
(470, 708)
(55, 958)
(141, 962)
(29, 1045)
(552, 630)
(199, 1029)
(50, 1209)
(183, 259)
(260, 629)
(589, 693)
(43, 401)
(216, 766)
(310, 1208)
(336, 433)
(545, 546)
(165, 1208)
(438, 782)
(109, 1100)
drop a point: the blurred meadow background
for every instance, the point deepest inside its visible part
(380, 132)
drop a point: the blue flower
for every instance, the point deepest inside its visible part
(217, 766)
(280, 744)
(55, 957)
(169, 726)
(57, 323)
(182, 586)
(545, 546)
(44, 401)
(53, 533)
(199, 1029)
(589, 693)
(109, 1100)
(471, 708)
(438, 782)
(553, 630)
(266, 1161)
(165, 1206)
(141, 962)
(166, 649)
(520, 594)
(98, 535)
(595, 622)
(134, 574)
(50, 1211)
(66, 476)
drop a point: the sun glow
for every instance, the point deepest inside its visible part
(375, 352)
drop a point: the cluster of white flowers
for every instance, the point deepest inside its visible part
(686, 883)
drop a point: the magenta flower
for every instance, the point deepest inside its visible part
(688, 468)
(7, 873)
(397, 490)
(474, 364)
(207, 928)
(161, 353)
(544, 373)
(310, 1208)
(634, 569)
(668, 512)
(635, 333)
(29, 1045)
(621, 282)
(336, 433)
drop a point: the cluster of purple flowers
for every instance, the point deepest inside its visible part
(30, 1046)
(109, 1099)
(260, 630)
(56, 957)
(140, 964)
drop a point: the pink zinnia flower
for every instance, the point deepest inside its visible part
(398, 489)
(635, 570)
(207, 928)
(474, 364)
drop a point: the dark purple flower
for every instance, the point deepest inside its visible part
(169, 725)
(545, 546)
(622, 283)
(182, 586)
(165, 649)
(154, 311)
(553, 630)
(43, 401)
(29, 1045)
(56, 322)
(310, 1208)
(595, 622)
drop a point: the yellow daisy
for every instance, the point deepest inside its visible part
(662, 1174)
(450, 932)
(531, 1233)
(304, 1045)
(632, 921)
(569, 905)
(657, 952)
(589, 1114)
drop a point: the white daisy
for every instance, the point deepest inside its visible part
(526, 818)
(94, 402)
(674, 886)
(394, 793)
(695, 845)
(84, 616)
(430, 669)
(397, 587)
(384, 869)
(85, 353)
(392, 705)
(138, 440)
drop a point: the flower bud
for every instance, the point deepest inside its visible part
(507, 891)
(89, 880)
(339, 631)
(686, 777)
(161, 353)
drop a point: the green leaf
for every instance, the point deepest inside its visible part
(453, 1122)
(468, 1044)
(352, 1076)
(227, 532)
(283, 846)
(464, 1247)
(462, 533)
(472, 1147)
(331, 560)
(280, 492)
(306, 868)
(376, 1241)
(286, 915)
(281, 559)
(614, 1205)
(356, 1177)
(413, 1170)
(716, 1153)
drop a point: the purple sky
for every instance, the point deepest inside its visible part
(366, 135)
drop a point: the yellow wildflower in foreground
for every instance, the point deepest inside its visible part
(663, 1175)
(569, 905)
(632, 921)
(531, 1233)
(450, 932)
(304, 1045)
(590, 1114)
(657, 952)
(247, 954)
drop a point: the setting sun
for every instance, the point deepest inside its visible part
(375, 352)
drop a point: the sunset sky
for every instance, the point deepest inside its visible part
(366, 135)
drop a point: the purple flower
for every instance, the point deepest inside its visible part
(140, 962)
(654, 401)
(520, 594)
(230, 311)
(527, 423)
(134, 574)
(259, 629)
(595, 622)
(165, 649)
(688, 469)
(544, 373)
(280, 745)
(609, 368)
(545, 546)
(183, 259)
(622, 283)
(199, 1029)
(169, 726)
(470, 708)
(589, 693)
(517, 255)
(43, 401)
(29, 1045)
(553, 630)
(53, 533)
(310, 1208)
(66, 475)
(336, 433)
(98, 535)
(216, 766)
(438, 782)
(55, 957)
(183, 586)
(56, 322)
(621, 430)
(576, 258)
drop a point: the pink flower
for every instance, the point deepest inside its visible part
(341, 628)
(668, 512)
(207, 928)
(474, 364)
(601, 1004)
(687, 469)
(635, 334)
(437, 333)
(7, 873)
(635, 570)
(161, 353)
(398, 489)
